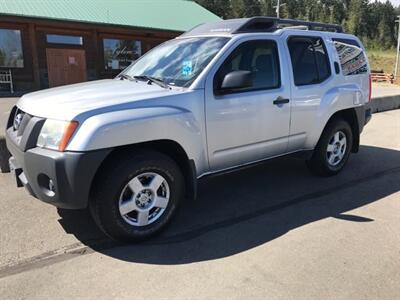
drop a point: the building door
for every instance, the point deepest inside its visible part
(65, 66)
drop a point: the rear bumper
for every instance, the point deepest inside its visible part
(368, 114)
(71, 173)
(364, 114)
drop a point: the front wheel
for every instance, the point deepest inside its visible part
(333, 149)
(136, 196)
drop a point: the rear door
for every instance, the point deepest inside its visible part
(311, 69)
(253, 123)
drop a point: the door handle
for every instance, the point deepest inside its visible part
(280, 101)
(337, 67)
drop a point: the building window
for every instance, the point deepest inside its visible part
(64, 39)
(11, 55)
(119, 54)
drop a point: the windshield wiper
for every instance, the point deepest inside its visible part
(125, 76)
(157, 81)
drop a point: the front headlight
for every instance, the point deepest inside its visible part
(56, 134)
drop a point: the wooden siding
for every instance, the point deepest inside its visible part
(34, 75)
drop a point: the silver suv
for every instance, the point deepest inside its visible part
(220, 96)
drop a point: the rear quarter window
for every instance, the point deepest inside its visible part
(351, 56)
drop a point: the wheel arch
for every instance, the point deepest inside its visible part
(350, 116)
(168, 147)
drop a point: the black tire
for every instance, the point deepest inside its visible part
(318, 164)
(4, 156)
(105, 197)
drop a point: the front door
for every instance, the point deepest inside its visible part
(249, 124)
(65, 66)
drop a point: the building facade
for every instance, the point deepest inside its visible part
(45, 48)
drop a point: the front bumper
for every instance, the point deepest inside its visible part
(71, 173)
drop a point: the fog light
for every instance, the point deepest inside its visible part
(47, 185)
(51, 186)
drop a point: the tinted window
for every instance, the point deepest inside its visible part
(310, 61)
(64, 39)
(258, 57)
(352, 58)
(11, 49)
(324, 70)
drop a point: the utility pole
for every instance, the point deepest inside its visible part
(278, 6)
(398, 46)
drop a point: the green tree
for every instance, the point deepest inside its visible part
(371, 20)
(386, 32)
(356, 20)
(268, 8)
(252, 8)
(221, 8)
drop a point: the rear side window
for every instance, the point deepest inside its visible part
(352, 58)
(310, 61)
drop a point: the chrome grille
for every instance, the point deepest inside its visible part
(23, 129)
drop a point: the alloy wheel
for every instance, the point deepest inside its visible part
(144, 199)
(336, 148)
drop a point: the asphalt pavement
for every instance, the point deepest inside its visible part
(6, 105)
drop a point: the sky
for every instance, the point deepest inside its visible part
(395, 2)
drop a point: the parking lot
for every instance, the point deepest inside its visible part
(270, 231)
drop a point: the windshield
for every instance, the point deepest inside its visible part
(177, 62)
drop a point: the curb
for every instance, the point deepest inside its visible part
(385, 103)
(379, 104)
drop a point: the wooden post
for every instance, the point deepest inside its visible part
(95, 40)
(35, 59)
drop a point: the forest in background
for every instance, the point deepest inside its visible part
(372, 21)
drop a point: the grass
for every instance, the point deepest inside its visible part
(382, 60)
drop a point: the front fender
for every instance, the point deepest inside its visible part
(132, 126)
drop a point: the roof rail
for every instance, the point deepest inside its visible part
(270, 24)
(299, 27)
(257, 24)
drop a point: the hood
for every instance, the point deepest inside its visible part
(70, 101)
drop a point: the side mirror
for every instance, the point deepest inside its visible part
(235, 80)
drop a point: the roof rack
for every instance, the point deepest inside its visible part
(311, 25)
(269, 24)
(258, 24)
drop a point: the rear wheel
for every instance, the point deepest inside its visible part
(136, 197)
(333, 149)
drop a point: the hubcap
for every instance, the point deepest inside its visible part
(336, 148)
(144, 199)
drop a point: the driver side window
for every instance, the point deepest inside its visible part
(258, 57)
